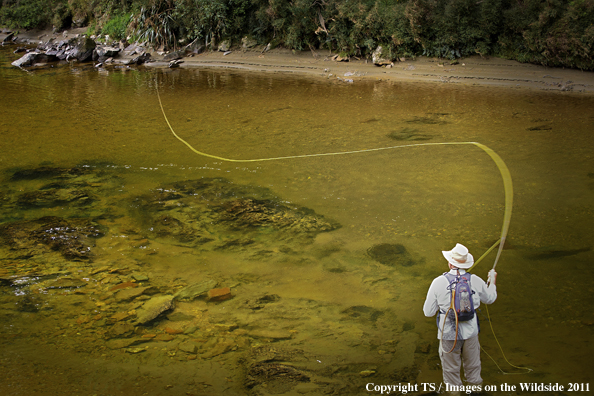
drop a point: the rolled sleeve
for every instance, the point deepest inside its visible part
(487, 294)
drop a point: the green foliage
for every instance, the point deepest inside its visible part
(29, 14)
(116, 26)
(156, 23)
(552, 33)
(168, 23)
(205, 19)
(549, 32)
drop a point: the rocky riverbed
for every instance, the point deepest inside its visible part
(82, 281)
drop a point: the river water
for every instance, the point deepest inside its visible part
(324, 303)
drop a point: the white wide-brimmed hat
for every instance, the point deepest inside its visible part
(459, 257)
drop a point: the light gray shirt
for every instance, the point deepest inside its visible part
(438, 298)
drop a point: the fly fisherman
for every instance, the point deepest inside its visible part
(454, 296)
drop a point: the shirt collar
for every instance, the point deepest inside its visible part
(454, 271)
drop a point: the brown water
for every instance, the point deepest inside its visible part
(314, 302)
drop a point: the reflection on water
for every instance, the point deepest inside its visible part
(113, 233)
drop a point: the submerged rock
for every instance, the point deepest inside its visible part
(219, 294)
(153, 308)
(391, 254)
(120, 330)
(70, 237)
(197, 212)
(66, 283)
(279, 377)
(272, 334)
(47, 172)
(54, 197)
(409, 134)
(363, 313)
(188, 347)
(247, 212)
(191, 292)
(133, 292)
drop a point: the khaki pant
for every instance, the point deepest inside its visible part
(468, 356)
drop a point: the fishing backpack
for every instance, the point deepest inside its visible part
(463, 303)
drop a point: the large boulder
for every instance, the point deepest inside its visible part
(378, 57)
(81, 49)
(33, 57)
(9, 38)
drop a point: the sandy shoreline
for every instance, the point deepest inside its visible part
(468, 71)
(472, 71)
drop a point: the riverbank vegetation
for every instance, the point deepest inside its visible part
(548, 32)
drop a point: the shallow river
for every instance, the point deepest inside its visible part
(328, 258)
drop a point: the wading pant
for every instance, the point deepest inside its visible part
(469, 356)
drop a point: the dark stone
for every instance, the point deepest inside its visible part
(261, 302)
(53, 198)
(139, 60)
(408, 326)
(391, 254)
(69, 237)
(194, 212)
(9, 38)
(555, 253)
(408, 134)
(540, 128)
(363, 313)
(246, 212)
(29, 303)
(431, 119)
(81, 49)
(46, 172)
(278, 377)
(169, 226)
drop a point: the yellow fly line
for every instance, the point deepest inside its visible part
(507, 181)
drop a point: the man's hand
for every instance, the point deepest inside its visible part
(492, 277)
